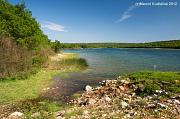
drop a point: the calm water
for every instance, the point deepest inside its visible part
(112, 62)
(109, 63)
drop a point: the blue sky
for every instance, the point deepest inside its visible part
(106, 20)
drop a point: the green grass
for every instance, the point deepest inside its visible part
(73, 63)
(152, 81)
(68, 63)
(17, 91)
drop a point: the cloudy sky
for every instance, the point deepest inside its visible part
(106, 20)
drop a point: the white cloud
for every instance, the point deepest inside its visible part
(127, 14)
(53, 26)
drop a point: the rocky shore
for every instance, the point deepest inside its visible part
(118, 99)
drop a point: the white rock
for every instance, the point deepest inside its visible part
(127, 116)
(162, 105)
(35, 115)
(122, 88)
(170, 101)
(176, 102)
(92, 101)
(124, 104)
(151, 105)
(134, 94)
(15, 115)
(88, 88)
(149, 97)
(59, 117)
(122, 81)
(104, 115)
(107, 99)
(156, 110)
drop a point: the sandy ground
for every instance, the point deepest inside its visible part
(60, 56)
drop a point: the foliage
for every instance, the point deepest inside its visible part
(17, 22)
(66, 62)
(160, 44)
(56, 46)
(152, 81)
(78, 63)
(24, 48)
(15, 60)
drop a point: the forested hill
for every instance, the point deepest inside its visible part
(159, 44)
(23, 46)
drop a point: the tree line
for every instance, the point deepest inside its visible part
(24, 48)
(159, 44)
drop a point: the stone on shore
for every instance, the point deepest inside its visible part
(88, 88)
(15, 115)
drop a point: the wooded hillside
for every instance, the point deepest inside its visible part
(23, 46)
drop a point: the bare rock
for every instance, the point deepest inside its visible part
(103, 83)
(15, 115)
(176, 102)
(91, 101)
(162, 105)
(124, 104)
(88, 88)
(152, 105)
(108, 99)
(122, 88)
(35, 115)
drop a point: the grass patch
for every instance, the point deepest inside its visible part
(151, 81)
(73, 113)
(67, 62)
(76, 95)
(12, 91)
(16, 90)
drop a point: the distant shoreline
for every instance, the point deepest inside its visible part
(121, 48)
(172, 44)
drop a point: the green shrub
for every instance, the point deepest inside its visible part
(152, 81)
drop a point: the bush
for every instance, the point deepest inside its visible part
(23, 46)
(152, 81)
(14, 59)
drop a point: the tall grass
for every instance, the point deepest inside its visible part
(14, 60)
(19, 62)
(68, 62)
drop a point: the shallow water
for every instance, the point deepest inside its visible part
(108, 63)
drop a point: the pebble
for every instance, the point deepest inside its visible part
(15, 115)
(177, 102)
(162, 105)
(108, 99)
(124, 104)
(88, 88)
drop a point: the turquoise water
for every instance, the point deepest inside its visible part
(111, 62)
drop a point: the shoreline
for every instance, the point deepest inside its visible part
(28, 92)
(122, 48)
(87, 103)
(119, 98)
